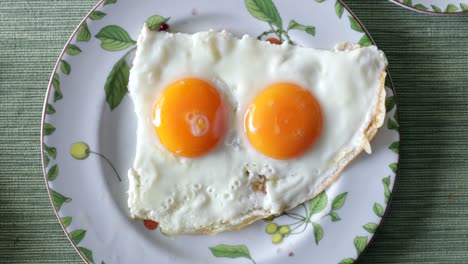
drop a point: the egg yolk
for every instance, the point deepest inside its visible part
(283, 121)
(190, 117)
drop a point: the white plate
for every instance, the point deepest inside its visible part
(435, 6)
(82, 178)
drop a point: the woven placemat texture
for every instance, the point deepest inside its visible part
(428, 217)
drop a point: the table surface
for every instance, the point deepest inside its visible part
(428, 55)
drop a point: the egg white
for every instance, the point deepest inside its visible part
(217, 191)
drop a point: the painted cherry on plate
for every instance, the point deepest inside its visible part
(150, 224)
(87, 104)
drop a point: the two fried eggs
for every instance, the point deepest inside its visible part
(232, 130)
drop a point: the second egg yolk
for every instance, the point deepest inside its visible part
(283, 121)
(190, 117)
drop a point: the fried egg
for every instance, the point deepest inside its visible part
(233, 130)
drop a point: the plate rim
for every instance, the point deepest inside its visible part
(70, 40)
(44, 113)
(395, 180)
(412, 8)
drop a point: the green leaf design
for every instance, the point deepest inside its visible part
(436, 8)
(387, 83)
(87, 254)
(116, 83)
(394, 167)
(387, 194)
(109, 2)
(48, 129)
(65, 67)
(52, 173)
(51, 151)
(389, 103)
(334, 216)
(451, 8)
(318, 203)
(77, 235)
(154, 22)
(114, 38)
(365, 41)
(66, 221)
(347, 261)
(319, 1)
(386, 183)
(59, 199)
(339, 201)
(464, 7)
(408, 2)
(318, 232)
(360, 244)
(264, 10)
(57, 95)
(355, 25)
(50, 109)
(339, 9)
(46, 160)
(395, 147)
(96, 15)
(83, 33)
(421, 7)
(370, 227)
(378, 209)
(392, 124)
(228, 251)
(294, 25)
(56, 83)
(72, 50)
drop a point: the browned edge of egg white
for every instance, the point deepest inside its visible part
(49, 88)
(427, 11)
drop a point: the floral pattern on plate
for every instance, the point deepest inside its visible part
(87, 140)
(435, 6)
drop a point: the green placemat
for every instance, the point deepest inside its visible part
(428, 55)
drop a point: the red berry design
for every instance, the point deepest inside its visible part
(163, 27)
(150, 224)
(274, 41)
